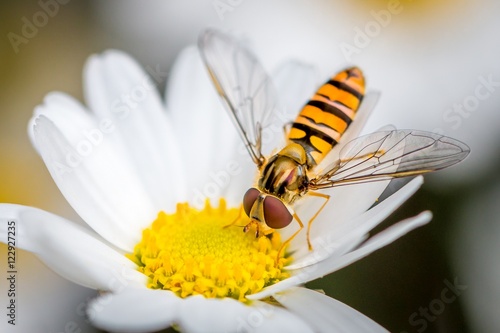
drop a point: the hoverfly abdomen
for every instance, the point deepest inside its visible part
(323, 120)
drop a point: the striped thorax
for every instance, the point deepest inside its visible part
(285, 174)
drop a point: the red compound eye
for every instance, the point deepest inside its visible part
(249, 199)
(276, 214)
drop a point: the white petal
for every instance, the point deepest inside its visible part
(386, 128)
(134, 310)
(326, 314)
(241, 173)
(199, 314)
(312, 272)
(345, 204)
(121, 93)
(99, 184)
(69, 250)
(66, 112)
(213, 153)
(277, 319)
(341, 238)
(295, 84)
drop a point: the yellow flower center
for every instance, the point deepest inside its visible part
(193, 252)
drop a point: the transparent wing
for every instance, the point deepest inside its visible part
(246, 90)
(391, 154)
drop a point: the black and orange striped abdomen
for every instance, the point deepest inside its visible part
(323, 120)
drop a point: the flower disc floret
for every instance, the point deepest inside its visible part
(205, 252)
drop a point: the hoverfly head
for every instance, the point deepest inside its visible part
(275, 214)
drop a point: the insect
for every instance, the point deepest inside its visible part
(305, 164)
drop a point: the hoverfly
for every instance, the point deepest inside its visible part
(304, 165)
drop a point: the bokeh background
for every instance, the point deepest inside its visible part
(429, 58)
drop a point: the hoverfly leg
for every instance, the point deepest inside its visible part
(327, 198)
(285, 243)
(236, 219)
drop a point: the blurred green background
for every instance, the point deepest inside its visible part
(426, 58)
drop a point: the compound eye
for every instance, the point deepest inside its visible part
(276, 214)
(249, 199)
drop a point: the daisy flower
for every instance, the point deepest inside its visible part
(160, 186)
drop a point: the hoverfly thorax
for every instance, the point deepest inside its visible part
(283, 179)
(285, 174)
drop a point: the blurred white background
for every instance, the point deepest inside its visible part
(430, 59)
